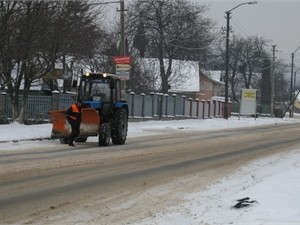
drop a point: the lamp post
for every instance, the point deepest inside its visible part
(292, 73)
(227, 54)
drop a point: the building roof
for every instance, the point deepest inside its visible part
(214, 75)
(185, 74)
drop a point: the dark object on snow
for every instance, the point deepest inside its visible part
(243, 199)
(244, 202)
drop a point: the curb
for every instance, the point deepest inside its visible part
(30, 139)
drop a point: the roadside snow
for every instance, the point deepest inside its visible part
(273, 182)
(16, 131)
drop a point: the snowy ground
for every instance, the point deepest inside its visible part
(272, 182)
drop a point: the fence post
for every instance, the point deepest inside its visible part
(208, 103)
(203, 109)
(219, 103)
(215, 108)
(132, 103)
(230, 109)
(222, 109)
(55, 100)
(191, 106)
(197, 110)
(152, 96)
(143, 104)
(160, 105)
(174, 109)
(3, 103)
(166, 106)
(183, 110)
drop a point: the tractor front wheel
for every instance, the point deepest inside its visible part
(104, 134)
(119, 126)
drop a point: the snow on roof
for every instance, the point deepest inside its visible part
(185, 74)
(214, 75)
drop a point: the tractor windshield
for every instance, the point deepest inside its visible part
(96, 90)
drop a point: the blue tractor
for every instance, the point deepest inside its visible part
(104, 112)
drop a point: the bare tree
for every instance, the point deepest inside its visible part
(173, 30)
(143, 78)
(35, 36)
(253, 55)
(265, 93)
(282, 88)
(100, 56)
(234, 78)
(24, 22)
(247, 56)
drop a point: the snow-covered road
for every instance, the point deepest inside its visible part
(273, 182)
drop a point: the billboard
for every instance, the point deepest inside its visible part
(248, 102)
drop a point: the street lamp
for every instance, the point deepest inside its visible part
(227, 54)
(292, 73)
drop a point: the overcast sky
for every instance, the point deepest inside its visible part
(278, 21)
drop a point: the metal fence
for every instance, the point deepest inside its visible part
(141, 106)
(36, 108)
(163, 106)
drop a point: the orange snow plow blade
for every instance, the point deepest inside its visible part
(90, 122)
(60, 125)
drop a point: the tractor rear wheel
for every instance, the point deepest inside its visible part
(119, 126)
(104, 134)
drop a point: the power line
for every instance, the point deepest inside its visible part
(239, 28)
(196, 48)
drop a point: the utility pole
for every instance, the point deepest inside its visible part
(226, 104)
(292, 85)
(122, 41)
(122, 21)
(227, 65)
(273, 80)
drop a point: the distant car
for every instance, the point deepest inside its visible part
(219, 98)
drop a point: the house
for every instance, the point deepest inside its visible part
(186, 78)
(211, 84)
(197, 84)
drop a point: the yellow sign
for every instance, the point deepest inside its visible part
(249, 94)
(53, 74)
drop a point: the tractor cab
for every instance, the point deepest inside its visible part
(96, 88)
(101, 91)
